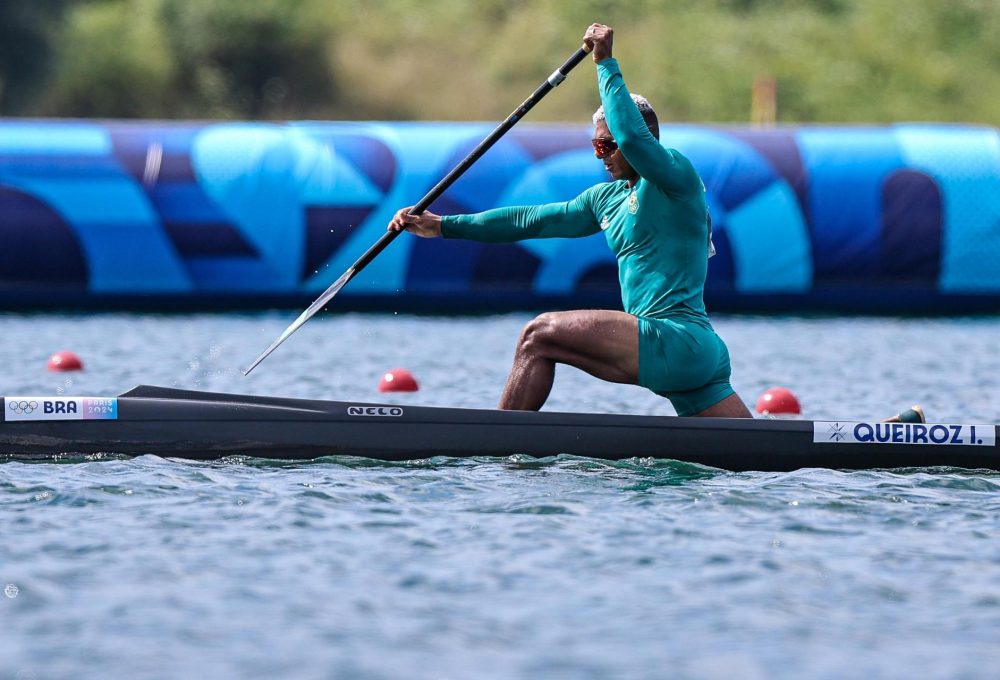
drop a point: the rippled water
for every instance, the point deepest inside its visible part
(498, 568)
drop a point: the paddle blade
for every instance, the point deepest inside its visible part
(319, 303)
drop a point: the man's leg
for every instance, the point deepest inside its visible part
(730, 407)
(603, 343)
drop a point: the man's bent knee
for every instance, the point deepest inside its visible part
(538, 334)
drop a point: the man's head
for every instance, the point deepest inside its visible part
(645, 108)
(614, 161)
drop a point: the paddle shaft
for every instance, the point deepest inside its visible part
(552, 81)
(557, 77)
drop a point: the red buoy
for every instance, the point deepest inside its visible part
(778, 401)
(398, 380)
(65, 361)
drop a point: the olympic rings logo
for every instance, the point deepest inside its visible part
(22, 407)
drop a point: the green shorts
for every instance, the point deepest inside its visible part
(685, 362)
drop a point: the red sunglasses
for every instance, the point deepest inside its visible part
(603, 147)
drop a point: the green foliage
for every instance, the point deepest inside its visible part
(26, 37)
(833, 60)
(113, 63)
(255, 59)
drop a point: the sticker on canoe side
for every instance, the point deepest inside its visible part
(393, 411)
(60, 408)
(903, 433)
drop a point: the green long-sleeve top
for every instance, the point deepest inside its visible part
(658, 229)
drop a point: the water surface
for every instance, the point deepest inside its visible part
(497, 568)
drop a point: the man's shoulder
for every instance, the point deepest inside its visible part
(600, 192)
(679, 157)
(683, 171)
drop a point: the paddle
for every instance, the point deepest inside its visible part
(557, 77)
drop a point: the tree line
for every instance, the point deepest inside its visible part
(842, 61)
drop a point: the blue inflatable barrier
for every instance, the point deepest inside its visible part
(901, 218)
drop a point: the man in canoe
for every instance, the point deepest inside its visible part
(654, 216)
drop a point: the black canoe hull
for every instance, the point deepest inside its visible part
(206, 426)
